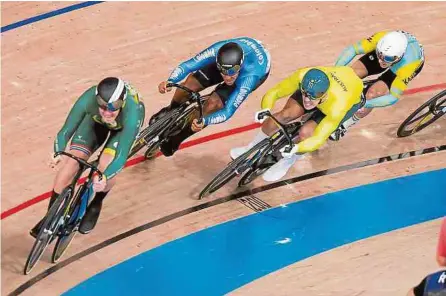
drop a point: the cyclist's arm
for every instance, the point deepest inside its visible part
(236, 98)
(284, 88)
(128, 136)
(399, 85)
(320, 135)
(361, 47)
(199, 61)
(75, 117)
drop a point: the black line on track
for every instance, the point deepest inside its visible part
(254, 203)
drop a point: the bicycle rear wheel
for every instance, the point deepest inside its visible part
(62, 244)
(252, 174)
(233, 169)
(152, 131)
(425, 115)
(48, 230)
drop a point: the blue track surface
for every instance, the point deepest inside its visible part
(222, 258)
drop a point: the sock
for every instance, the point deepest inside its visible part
(99, 196)
(258, 138)
(351, 121)
(53, 198)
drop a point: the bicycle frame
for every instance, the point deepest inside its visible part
(152, 133)
(83, 193)
(267, 113)
(195, 97)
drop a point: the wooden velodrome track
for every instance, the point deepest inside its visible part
(47, 64)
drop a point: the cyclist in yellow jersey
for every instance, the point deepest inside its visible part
(333, 93)
(396, 55)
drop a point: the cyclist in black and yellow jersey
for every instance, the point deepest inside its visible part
(333, 93)
(110, 109)
(396, 56)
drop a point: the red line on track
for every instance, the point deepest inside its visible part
(191, 143)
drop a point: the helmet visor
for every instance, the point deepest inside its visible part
(112, 106)
(387, 59)
(228, 71)
(312, 96)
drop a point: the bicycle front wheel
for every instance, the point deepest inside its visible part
(234, 168)
(48, 230)
(425, 115)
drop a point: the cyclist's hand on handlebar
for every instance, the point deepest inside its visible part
(259, 118)
(54, 161)
(99, 184)
(286, 153)
(162, 87)
(196, 126)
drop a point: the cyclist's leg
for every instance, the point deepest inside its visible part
(171, 145)
(380, 88)
(368, 65)
(83, 143)
(292, 110)
(208, 76)
(344, 125)
(281, 168)
(94, 208)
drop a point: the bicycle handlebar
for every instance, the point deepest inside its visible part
(196, 97)
(267, 113)
(81, 161)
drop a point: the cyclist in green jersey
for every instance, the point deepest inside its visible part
(111, 113)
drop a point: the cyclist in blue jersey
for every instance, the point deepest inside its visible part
(432, 285)
(237, 66)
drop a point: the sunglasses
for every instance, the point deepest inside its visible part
(228, 71)
(112, 106)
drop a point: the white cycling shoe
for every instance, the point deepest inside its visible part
(280, 169)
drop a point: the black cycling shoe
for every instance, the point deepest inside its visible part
(91, 217)
(35, 231)
(167, 148)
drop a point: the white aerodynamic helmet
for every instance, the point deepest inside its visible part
(391, 47)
